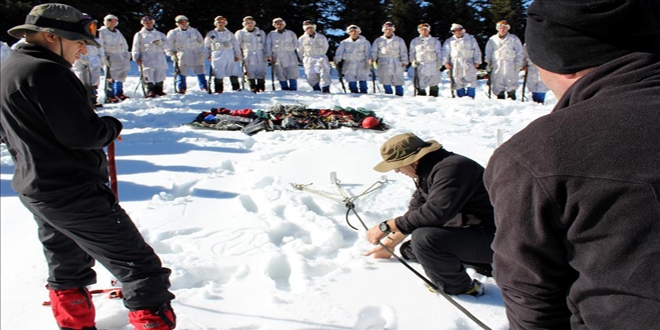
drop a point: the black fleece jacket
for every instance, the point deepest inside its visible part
(54, 136)
(450, 193)
(577, 205)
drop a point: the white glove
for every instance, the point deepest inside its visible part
(174, 58)
(104, 61)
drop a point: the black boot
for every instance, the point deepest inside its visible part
(253, 85)
(433, 91)
(261, 85)
(159, 89)
(151, 90)
(218, 85)
(500, 96)
(511, 95)
(234, 83)
(421, 92)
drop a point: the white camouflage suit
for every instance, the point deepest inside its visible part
(116, 50)
(149, 47)
(355, 54)
(88, 67)
(224, 49)
(282, 47)
(427, 52)
(505, 57)
(391, 54)
(534, 83)
(315, 61)
(4, 51)
(188, 46)
(253, 46)
(462, 54)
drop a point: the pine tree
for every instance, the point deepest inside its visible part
(406, 15)
(369, 15)
(513, 11)
(440, 14)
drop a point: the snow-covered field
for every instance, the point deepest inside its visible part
(247, 250)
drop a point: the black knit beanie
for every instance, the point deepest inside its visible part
(567, 36)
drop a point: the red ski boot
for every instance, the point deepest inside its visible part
(73, 308)
(158, 318)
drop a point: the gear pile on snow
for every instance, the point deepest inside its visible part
(287, 117)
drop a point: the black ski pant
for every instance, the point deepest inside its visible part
(443, 251)
(77, 226)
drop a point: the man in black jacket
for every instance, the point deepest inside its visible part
(450, 216)
(577, 192)
(56, 142)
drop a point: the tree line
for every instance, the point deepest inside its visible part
(331, 16)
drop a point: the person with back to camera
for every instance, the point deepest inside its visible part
(577, 192)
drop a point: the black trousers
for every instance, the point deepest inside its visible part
(81, 225)
(443, 251)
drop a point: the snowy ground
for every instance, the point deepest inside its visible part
(247, 250)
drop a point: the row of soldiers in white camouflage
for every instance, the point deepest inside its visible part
(252, 48)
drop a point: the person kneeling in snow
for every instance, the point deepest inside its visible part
(450, 215)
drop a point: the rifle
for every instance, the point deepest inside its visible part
(339, 67)
(210, 77)
(141, 82)
(272, 74)
(177, 72)
(452, 83)
(522, 99)
(108, 79)
(243, 75)
(211, 67)
(490, 84)
(373, 77)
(415, 80)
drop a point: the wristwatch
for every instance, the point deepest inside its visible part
(384, 227)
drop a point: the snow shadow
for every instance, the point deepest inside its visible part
(130, 166)
(169, 143)
(132, 192)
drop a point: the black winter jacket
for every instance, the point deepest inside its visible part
(54, 136)
(577, 205)
(450, 193)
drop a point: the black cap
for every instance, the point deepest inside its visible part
(567, 36)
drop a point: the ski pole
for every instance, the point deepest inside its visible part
(351, 207)
(524, 84)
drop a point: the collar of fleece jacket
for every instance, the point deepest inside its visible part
(425, 167)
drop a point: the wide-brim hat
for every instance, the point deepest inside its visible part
(403, 150)
(62, 20)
